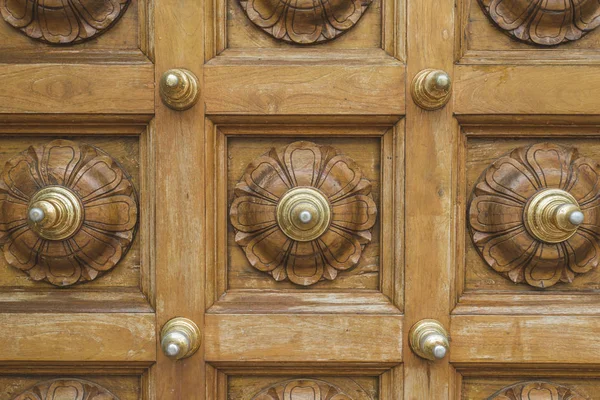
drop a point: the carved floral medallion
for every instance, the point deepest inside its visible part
(62, 21)
(305, 21)
(306, 389)
(66, 389)
(68, 212)
(534, 215)
(303, 213)
(544, 22)
(538, 391)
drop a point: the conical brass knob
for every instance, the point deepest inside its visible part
(429, 340)
(179, 89)
(180, 338)
(552, 215)
(55, 213)
(431, 89)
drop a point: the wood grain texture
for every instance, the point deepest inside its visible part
(524, 339)
(543, 23)
(304, 89)
(566, 90)
(306, 389)
(72, 88)
(497, 206)
(66, 23)
(429, 193)
(256, 212)
(109, 205)
(296, 338)
(91, 337)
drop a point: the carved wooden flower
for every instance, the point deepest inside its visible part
(303, 212)
(102, 194)
(536, 390)
(505, 192)
(544, 22)
(61, 21)
(306, 389)
(66, 389)
(305, 21)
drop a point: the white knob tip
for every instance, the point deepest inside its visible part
(36, 214)
(439, 352)
(172, 350)
(576, 218)
(305, 217)
(172, 80)
(442, 81)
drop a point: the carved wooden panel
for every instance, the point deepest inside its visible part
(66, 389)
(103, 192)
(281, 186)
(499, 201)
(305, 22)
(544, 22)
(61, 22)
(538, 390)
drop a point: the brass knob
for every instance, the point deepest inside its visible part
(552, 215)
(303, 214)
(55, 213)
(179, 89)
(429, 340)
(431, 89)
(180, 338)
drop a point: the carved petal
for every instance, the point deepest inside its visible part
(267, 250)
(13, 213)
(98, 177)
(544, 22)
(511, 178)
(66, 389)
(585, 182)
(510, 250)
(20, 176)
(265, 177)
(96, 249)
(495, 214)
(583, 252)
(18, 13)
(21, 250)
(58, 161)
(303, 162)
(305, 264)
(62, 21)
(536, 390)
(251, 214)
(111, 214)
(551, 164)
(546, 267)
(60, 266)
(341, 250)
(357, 213)
(309, 389)
(340, 177)
(305, 21)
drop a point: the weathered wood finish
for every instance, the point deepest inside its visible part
(66, 390)
(529, 390)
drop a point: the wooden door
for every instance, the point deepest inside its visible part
(304, 182)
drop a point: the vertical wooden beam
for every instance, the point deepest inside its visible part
(180, 219)
(430, 141)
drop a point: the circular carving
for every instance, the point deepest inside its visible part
(66, 389)
(517, 183)
(55, 213)
(66, 247)
(331, 189)
(545, 23)
(62, 22)
(312, 389)
(303, 214)
(305, 21)
(431, 89)
(179, 89)
(536, 390)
